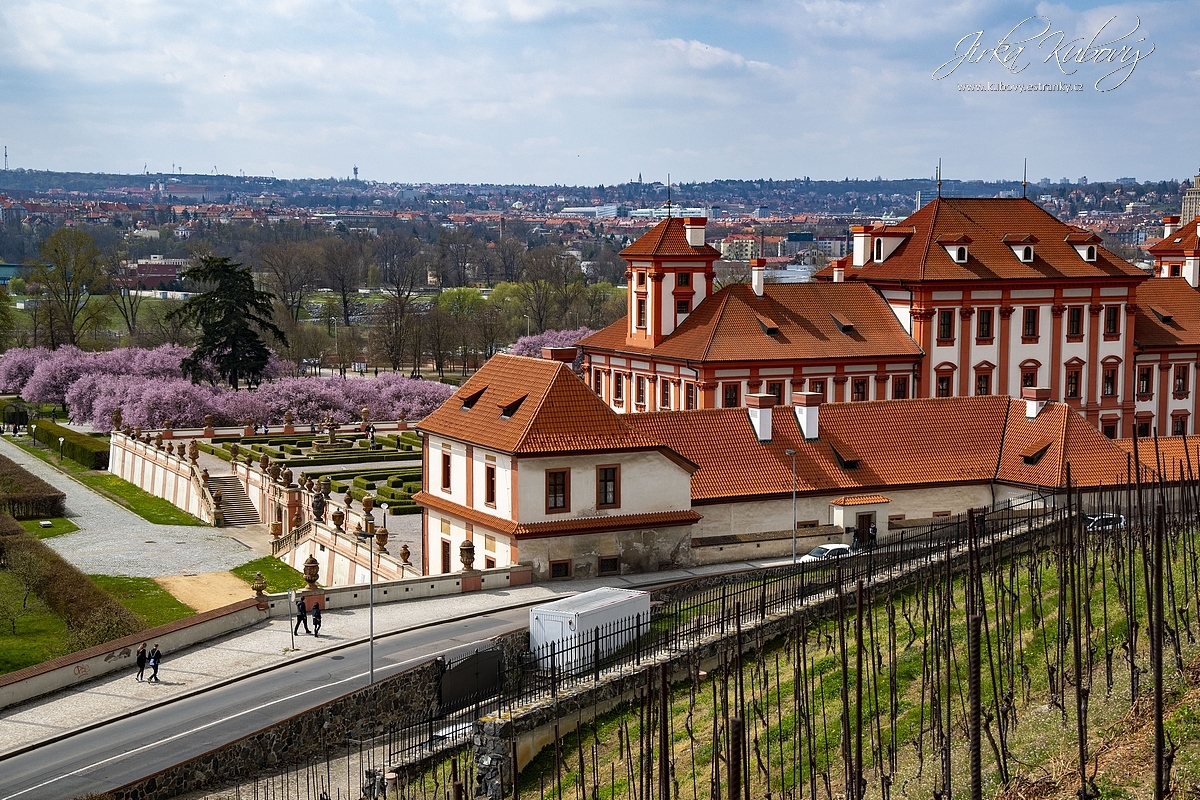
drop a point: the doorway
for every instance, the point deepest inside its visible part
(445, 557)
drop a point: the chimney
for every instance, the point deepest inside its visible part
(1036, 398)
(807, 405)
(1170, 224)
(758, 275)
(759, 406)
(694, 228)
(839, 272)
(862, 244)
(564, 354)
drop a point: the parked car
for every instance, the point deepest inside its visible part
(1106, 522)
(825, 552)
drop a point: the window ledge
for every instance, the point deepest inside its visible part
(1074, 338)
(558, 511)
(984, 341)
(1029, 339)
(1180, 395)
(1145, 398)
(1112, 337)
(945, 342)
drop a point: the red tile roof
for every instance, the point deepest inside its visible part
(668, 239)
(1168, 314)
(1176, 454)
(896, 443)
(984, 222)
(860, 500)
(1186, 238)
(557, 411)
(732, 325)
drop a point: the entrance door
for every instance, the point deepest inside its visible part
(863, 526)
(445, 557)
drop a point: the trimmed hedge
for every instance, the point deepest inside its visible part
(90, 452)
(26, 496)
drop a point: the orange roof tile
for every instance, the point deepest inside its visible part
(668, 239)
(984, 222)
(734, 325)
(860, 500)
(558, 413)
(1176, 454)
(1168, 314)
(1186, 238)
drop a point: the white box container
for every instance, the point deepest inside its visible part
(571, 627)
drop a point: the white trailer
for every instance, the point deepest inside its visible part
(574, 628)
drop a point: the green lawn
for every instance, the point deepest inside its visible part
(280, 577)
(154, 604)
(59, 526)
(41, 635)
(145, 505)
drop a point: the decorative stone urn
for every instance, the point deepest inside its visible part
(311, 573)
(466, 554)
(170, 448)
(158, 440)
(348, 499)
(204, 475)
(287, 477)
(368, 503)
(276, 530)
(318, 506)
(381, 539)
(338, 516)
(193, 451)
(249, 460)
(274, 472)
(264, 461)
(116, 419)
(366, 417)
(260, 584)
(404, 554)
(137, 432)
(326, 484)
(234, 449)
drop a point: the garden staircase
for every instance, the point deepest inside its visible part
(235, 504)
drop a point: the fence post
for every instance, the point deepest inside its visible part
(553, 672)
(637, 639)
(596, 654)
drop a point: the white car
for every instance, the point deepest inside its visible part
(1106, 522)
(825, 552)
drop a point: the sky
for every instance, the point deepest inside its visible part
(586, 92)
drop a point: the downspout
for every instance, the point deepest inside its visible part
(1000, 454)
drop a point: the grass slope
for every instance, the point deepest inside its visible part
(280, 577)
(59, 526)
(154, 604)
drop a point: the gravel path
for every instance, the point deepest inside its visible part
(112, 540)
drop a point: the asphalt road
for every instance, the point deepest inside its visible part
(125, 750)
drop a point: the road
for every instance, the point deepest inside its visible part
(122, 751)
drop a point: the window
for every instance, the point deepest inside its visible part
(1108, 382)
(641, 312)
(445, 472)
(445, 557)
(1027, 254)
(943, 385)
(1145, 380)
(1091, 253)
(597, 381)
(775, 388)
(664, 398)
(641, 279)
(608, 487)
(1029, 329)
(640, 397)
(558, 491)
(1075, 321)
(900, 387)
(1181, 379)
(1112, 320)
(1175, 271)
(1110, 431)
(960, 255)
(879, 249)
(858, 389)
(691, 396)
(1028, 378)
(983, 383)
(610, 565)
(817, 387)
(984, 329)
(1143, 430)
(489, 485)
(731, 392)
(489, 562)
(683, 306)
(683, 279)
(560, 569)
(946, 324)
(619, 388)
(1072, 383)
(1178, 426)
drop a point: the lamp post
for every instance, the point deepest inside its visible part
(526, 316)
(371, 607)
(61, 439)
(792, 453)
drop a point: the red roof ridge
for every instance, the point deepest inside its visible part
(725, 293)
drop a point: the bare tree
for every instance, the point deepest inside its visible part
(438, 328)
(123, 288)
(71, 272)
(342, 270)
(290, 268)
(455, 249)
(390, 332)
(510, 256)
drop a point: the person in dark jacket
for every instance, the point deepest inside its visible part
(141, 661)
(301, 616)
(316, 618)
(155, 658)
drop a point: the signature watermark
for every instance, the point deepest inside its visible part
(1119, 55)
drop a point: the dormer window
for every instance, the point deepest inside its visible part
(960, 255)
(469, 401)
(1027, 254)
(878, 250)
(1090, 253)
(508, 409)
(1084, 243)
(956, 246)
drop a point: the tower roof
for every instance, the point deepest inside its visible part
(668, 239)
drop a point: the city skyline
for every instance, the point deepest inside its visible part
(545, 92)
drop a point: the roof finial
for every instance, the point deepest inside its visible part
(668, 195)
(1024, 179)
(939, 178)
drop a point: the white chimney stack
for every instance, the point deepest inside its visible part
(839, 273)
(694, 228)
(758, 275)
(1170, 224)
(862, 244)
(759, 406)
(1036, 398)
(807, 405)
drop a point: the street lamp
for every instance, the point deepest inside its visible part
(61, 439)
(371, 604)
(526, 316)
(792, 453)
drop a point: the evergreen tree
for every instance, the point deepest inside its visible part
(232, 317)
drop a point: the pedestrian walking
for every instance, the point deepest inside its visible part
(155, 658)
(316, 618)
(872, 532)
(301, 616)
(141, 662)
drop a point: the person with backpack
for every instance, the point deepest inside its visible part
(155, 658)
(141, 662)
(316, 619)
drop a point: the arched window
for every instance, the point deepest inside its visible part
(1091, 253)
(1027, 254)
(960, 255)
(879, 249)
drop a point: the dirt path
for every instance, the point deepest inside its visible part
(207, 590)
